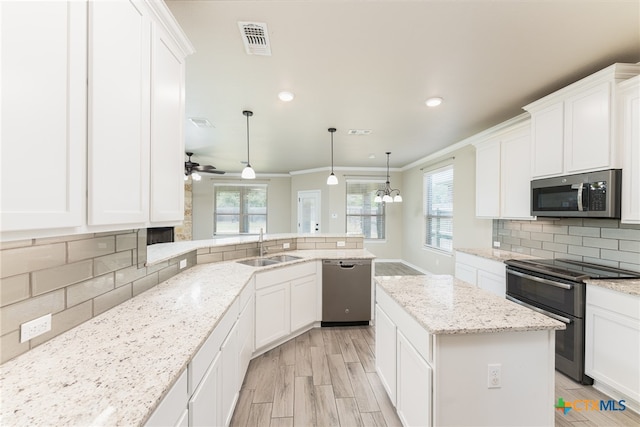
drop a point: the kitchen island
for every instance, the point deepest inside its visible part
(449, 353)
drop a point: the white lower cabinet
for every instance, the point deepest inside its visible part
(612, 343)
(413, 385)
(485, 273)
(286, 301)
(386, 352)
(205, 405)
(173, 410)
(272, 314)
(245, 338)
(230, 365)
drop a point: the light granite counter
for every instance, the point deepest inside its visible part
(494, 254)
(116, 368)
(627, 286)
(443, 304)
(165, 251)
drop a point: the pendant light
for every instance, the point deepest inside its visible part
(248, 172)
(332, 179)
(386, 195)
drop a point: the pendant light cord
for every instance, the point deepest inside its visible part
(248, 151)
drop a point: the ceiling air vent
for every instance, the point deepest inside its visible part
(255, 37)
(200, 122)
(359, 132)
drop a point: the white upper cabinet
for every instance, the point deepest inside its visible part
(119, 85)
(574, 129)
(101, 120)
(629, 120)
(43, 117)
(167, 128)
(503, 170)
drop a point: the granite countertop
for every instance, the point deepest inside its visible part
(494, 254)
(115, 368)
(627, 286)
(443, 304)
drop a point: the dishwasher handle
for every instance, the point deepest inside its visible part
(347, 266)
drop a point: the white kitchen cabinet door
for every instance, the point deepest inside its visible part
(303, 302)
(205, 406)
(167, 129)
(612, 341)
(245, 339)
(629, 125)
(547, 133)
(43, 114)
(273, 314)
(119, 111)
(173, 410)
(515, 177)
(386, 353)
(587, 130)
(466, 273)
(488, 179)
(496, 284)
(414, 385)
(229, 374)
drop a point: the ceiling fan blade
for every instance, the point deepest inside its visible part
(216, 171)
(204, 168)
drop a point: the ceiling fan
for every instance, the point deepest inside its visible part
(192, 169)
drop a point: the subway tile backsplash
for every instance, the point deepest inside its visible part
(74, 278)
(602, 241)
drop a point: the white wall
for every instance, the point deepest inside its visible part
(468, 231)
(333, 201)
(278, 201)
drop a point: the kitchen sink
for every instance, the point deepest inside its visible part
(283, 258)
(258, 262)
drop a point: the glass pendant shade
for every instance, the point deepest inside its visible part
(332, 179)
(196, 176)
(397, 198)
(248, 172)
(387, 198)
(378, 199)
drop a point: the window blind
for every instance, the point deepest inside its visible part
(363, 215)
(438, 208)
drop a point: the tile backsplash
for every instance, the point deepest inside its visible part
(74, 278)
(601, 241)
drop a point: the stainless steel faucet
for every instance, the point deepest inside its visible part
(261, 244)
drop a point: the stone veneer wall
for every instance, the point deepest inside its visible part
(79, 277)
(602, 241)
(184, 232)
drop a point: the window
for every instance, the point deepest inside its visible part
(239, 209)
(363, 215)
(438, 208)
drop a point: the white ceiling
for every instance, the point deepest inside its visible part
(365, 64)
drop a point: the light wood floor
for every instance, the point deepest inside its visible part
(326, 377)
(395, 269)
(569, 390)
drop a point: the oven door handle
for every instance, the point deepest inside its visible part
(541, 311)
(541, 280)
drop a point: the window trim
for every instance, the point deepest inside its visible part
(425, 215)
(240, 214)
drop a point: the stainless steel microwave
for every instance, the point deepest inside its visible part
(585, 195)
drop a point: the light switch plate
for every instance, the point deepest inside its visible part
(341, 244)
(183, 263)
(285, 246)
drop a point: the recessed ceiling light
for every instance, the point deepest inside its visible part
(372, 156)
(286, 96)
(433, 102)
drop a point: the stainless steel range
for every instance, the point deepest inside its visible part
(556, 287)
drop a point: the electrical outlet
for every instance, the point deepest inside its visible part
(496, 244)
(285, 246)
(35, 327)
(183, 263)
(494, 379)
(341, 244)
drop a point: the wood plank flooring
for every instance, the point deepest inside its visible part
(326, 377)
(395, 269)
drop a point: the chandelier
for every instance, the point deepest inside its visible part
(386, 195)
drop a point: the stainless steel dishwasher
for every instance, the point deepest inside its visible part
(346, 292)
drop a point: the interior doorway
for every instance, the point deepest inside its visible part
(309, 211)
